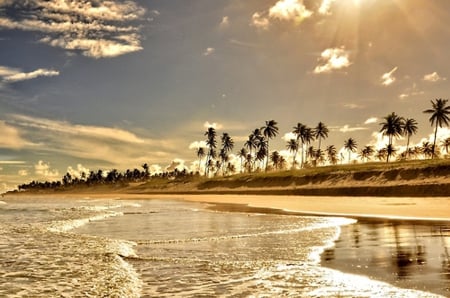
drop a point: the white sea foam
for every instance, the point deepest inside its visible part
(2, 203)
(70, 224)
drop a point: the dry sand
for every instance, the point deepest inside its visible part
(427, 208)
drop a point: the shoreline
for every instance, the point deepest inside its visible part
(362, 208)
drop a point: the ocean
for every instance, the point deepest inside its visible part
(60, 247)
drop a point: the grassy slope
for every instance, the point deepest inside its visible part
(412, 178)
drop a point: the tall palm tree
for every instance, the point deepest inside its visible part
(250, 144)
(270, 130)
(242, 154)
(308, 137)
(292, 146)
(298, 130)
(409, 128)
(351, 146)
(211, 142)
(332, 154)
(440, 114)
(320, 132)
(392, 127)
(227, 146)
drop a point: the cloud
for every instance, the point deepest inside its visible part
(225, 23)
(78, 171)
(100, 132)
(12, 162)
(209, 51)
(197, 144)
(290, 10)
(352, 106)
(23, 173)
(97, 29)
(412, 91)
(176, 164)
(213, 125)
(11, 137)
(108, 146)
(371, 120)
(15, 75)
(433, 77)
(346, 128)
(259, 21)
(289, 136)
(325, 7)
(332, 59)
(388, 78)
(43, 169)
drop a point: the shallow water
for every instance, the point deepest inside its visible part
(107, 248)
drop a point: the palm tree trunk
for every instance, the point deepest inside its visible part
(434, 142)
(303, 146)
(267, 157)
(407, 147)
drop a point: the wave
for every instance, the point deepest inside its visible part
(330, 223)
(2, 203)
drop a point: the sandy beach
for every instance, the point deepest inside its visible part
(427, 208)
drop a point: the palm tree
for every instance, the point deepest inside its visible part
(227, 146)
(251, 144)
(381, 154)
(332, 154)
(440, 114)
(409, 128)
(366, 153)
(427, 149)
(308, 137)
(319, 156)
(212, 144)
(299, 131)
(275, 159)
(200, 154)
(242, 154)
(351, 146)
(320, 132)
(391, 151)
(392, 127)
(292, 146)
(270, 131)
(446, 144)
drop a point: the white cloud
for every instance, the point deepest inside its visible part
(260, 21)
(22, 76)
(289, 136)
(333, 59)
(290, 10)
(78, 130)
(346, 128)
(433, 77)
(95, 28)
(197, 144)
(43, 170)
(209, 51)
(177, 164)
(225, 23)
(325, 7)
(108, 146)
(213, 125)
(11, 137)
(78, 171)
(388, 78)
(352, 106)
(371, 120)
(22, 173)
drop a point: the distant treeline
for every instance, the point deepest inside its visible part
(101, 177)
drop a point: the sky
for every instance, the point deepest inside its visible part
(87, 84)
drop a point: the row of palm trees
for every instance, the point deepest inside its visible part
(255, 153)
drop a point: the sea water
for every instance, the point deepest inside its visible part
(165, 248)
